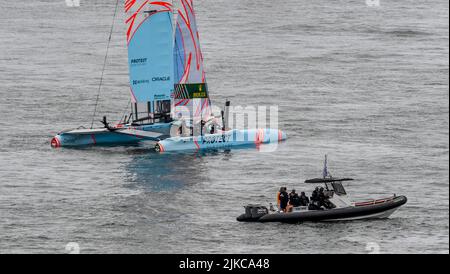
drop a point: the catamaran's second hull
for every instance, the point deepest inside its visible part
(91, 138)
(232, 138)
(105, 137)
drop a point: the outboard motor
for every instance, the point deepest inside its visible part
(253, 213)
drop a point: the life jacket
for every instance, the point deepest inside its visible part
(294, 200)
(278, 199)
(304, 201)
(283, 197)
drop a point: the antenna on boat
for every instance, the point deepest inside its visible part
(325, 172)
(104, 65)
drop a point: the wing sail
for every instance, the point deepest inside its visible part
(150, 50)
(191, 91)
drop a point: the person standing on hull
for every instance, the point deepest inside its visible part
(322, 197)
(283, 199)
(294, 200)
(324, 200)
(278, 197)
(315, 200)
(202, 126)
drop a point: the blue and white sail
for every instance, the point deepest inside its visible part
(191, 90)
(150, 50)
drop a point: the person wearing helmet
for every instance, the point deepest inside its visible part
(324, 200)
(321, 196)
(283, 198)
(315, 195)
(315, 200)
(278, 198)
(294, 199)
(303, 199)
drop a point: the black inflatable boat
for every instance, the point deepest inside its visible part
(338, 206)
(377, 209)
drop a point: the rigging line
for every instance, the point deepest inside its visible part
(177, 92)
(125, 113)
(104, 65)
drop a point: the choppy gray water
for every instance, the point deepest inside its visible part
(367, 85)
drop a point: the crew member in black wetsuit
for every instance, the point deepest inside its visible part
(315, 195)
(324, 200)
(294, 199)
(322, 197)
(202, 126)
(315, 201)
(284, 199)
(303, 199)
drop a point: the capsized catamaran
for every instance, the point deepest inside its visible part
(169, 94)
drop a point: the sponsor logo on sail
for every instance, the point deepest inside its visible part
(160, 97)
(161, 79)
(138, 61)
(140, 82)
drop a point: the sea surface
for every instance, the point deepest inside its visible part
(366, 84)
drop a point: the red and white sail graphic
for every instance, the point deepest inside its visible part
(139, 10)
(191, 89)
(150, 50)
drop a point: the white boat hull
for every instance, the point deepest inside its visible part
(381, 215)
(232, 138)
(103, 136)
